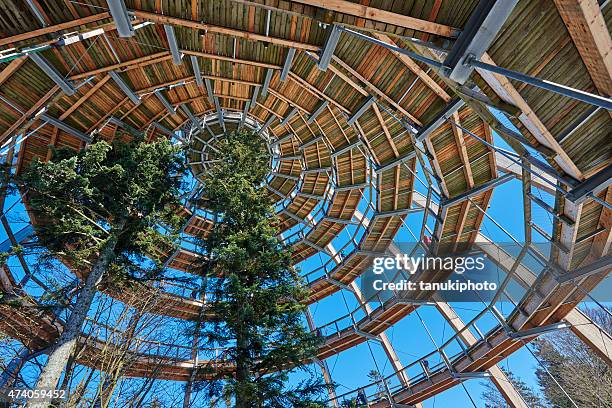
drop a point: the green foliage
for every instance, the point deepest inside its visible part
(493, 399)
(260, 296)
(568, 368)
(586, 379)
(77, 198)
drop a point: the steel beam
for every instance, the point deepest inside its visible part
(306, 195)
(316, 170)
(267, 124)
(289, 115)
(396, 162)
(479, 32)
(362, 109)
(163, 129)
(452, 107)
(597, 266)
(393, 213)
(36, 13)
(319, 109)
(351, 187)
(266, 83)
(53, 73)
(591, 186)
(209, 90)
(537, 331)
(171, 110)
(219, 113)
(331, 41)
(120, 16)
(254, 96)
(346, 148)
(196, 70)
(477, 190)
(311, 142)
(124, 87)
(586, 97)
(283, 175)
(283, 139)
(287, 64)
(177, 57)
(66, 128)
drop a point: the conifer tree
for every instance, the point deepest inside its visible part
(100, 211)
(258, 296)
(493, 399)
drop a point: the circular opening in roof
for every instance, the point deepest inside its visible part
(203, 137)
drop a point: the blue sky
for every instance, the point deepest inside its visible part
(420, 332)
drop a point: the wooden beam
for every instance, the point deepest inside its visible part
(467, 169)
(315, 91)
(465, 209)
(385, 130)
(415, 68)
(436, 165)
(164, 56)
(382, 16)
(10, 69)
(84, 98)
(54, 28)
(374, 88)
(597, 339)
(230, 59)
(165, 19)
(29, 113)
(506, 91)
(69, 111)
(587, 27)
(127, 65)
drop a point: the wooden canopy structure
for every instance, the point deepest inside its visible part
(355, 99)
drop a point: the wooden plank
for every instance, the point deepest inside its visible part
(587, 27)
(385, 130)
(467, 169)
(236, 60)
(382, 16)
(415, 68)
(164, 19)
(29, 113)
(126, 65)
(597, 339)
(84, 98)
(436, 165)
(506, 91)
(373, 87)
(10, 69)
(54, 28)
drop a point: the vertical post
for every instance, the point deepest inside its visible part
(526, 178)
(321, 363)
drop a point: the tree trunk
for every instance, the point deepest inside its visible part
(61, 351)
(243, 396)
